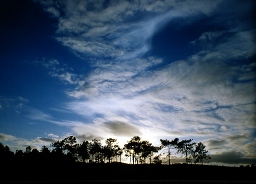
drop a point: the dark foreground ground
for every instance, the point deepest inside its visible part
(33, 172)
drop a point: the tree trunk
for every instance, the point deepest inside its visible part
(169, 154)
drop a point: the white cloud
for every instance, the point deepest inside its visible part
(52, 135)
(227, 45)
(38, 115)
(106, 30)
(61, 71)
(192, 98)
(13, 104)
(18, 143)
(204, 96)
(6, 137)
(201, 97)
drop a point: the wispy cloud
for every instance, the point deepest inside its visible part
(209, 95)
(61, 72)
(12, 104)
(196, 97)
(106, 29)
(5, 137)
(38, 115)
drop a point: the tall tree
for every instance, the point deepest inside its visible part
(200, 153)
(133, 148)
(147, 150)
(45, 150)
(28, 149)
(70, 146)
(118, 151)
(19, 154)
(58, 147)
(109, 148)
(186, 147)
(139, 149)
(5, 153)
(83, 150)
(96, 150)
(67, 146)
(169, 145)
(2, 150)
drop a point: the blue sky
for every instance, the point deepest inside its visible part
(156, 69)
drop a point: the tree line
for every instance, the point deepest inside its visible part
(137, 150)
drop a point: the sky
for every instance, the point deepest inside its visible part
(99, 69)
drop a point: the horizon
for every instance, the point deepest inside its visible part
(117, 69)
(175, 157)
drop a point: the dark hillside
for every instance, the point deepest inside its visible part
(70, 171)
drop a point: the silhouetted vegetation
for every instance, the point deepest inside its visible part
(139, 150)
(68, 160)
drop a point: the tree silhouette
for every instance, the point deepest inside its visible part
(5, 153)
(29, 167)
(45, 153)
(139, 150)
(186, 147)
(2, 150)
(133, 148)
(95, 149)
(169, 145)
(45, 150)
(157, 160)
(109, 149)
(118, 151)
(70, 146)
(19, 154)
(83, 150)
(58, 148)
(147, 150)
(200, 153)
(34, 152)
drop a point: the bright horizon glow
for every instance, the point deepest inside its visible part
(116, 69)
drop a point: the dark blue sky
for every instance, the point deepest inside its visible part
(156, 69)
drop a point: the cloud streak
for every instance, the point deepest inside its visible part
(108, 29)
(209, 95)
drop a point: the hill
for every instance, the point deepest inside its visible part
(77, 172)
